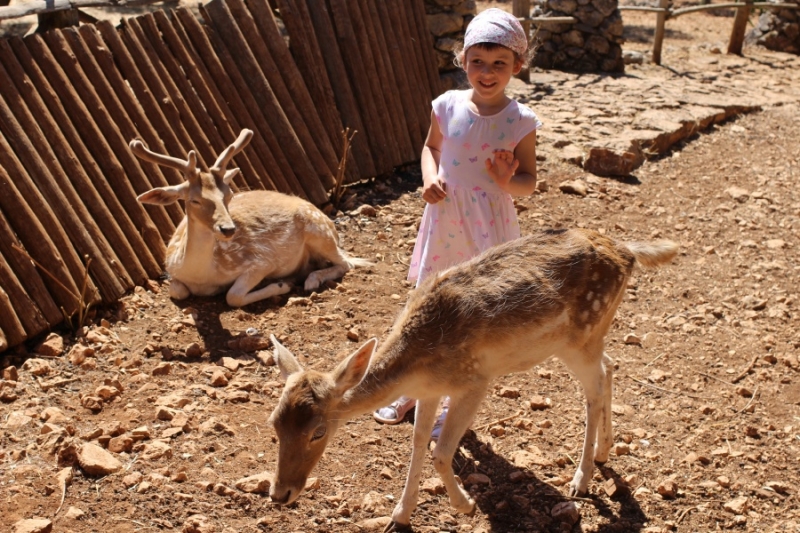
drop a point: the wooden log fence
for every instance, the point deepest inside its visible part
(71, 99)
(736, 41)
(521, 9)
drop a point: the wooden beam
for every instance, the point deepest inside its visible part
(729, 5)
(739, 28)
(658, 41)
(522, 10)
(38, 7)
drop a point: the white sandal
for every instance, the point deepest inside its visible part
(395, 412)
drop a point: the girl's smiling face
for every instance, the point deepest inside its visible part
(489, 70)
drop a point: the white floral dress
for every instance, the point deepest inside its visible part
(476, 214)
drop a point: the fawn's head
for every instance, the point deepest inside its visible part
(206, 194)
(306, 416)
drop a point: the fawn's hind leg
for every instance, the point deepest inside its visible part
(605, 434)
(587, 365)
(459, 416)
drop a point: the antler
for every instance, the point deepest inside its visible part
(188, 167)
(226, 156)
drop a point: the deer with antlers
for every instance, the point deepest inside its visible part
(238, 240)
(514, 306)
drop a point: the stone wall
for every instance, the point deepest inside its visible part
(447, 20)
(593, 44)
(777, 30)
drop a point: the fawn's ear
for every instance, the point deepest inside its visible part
(165, 195)
(286, 361)
(351, 370)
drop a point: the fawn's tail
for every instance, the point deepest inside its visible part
(653, 253)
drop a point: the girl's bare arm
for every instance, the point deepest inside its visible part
(523, 182)
(434, 188)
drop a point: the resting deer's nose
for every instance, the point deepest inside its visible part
(227, 231)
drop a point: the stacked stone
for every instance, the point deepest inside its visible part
(778, 30)
(592, 44)
(447, 21)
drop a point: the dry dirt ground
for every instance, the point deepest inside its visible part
(706, 401)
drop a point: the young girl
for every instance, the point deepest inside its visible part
(480, 151)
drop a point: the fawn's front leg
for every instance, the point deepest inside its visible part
(423, 424)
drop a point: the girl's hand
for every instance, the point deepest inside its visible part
(435, 190)
(502, 166)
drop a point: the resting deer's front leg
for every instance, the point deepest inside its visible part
(178, 290)
(460, 415)
(240, 293)
(423, 424)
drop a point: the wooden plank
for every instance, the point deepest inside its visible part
(226, 125)
(739, 28)
(361, 75)
(371, 55)
(152, 126)
(331, 57)
(242, 110)
(22, 267)
(172, 125)
(658, 39)
(24, 316)
(100, 134)
(303, 53)
(425, 44)
(413, 71)
(181, 97)
(385, 82)
(60, 130)
(11, 329)
(78, 187)
(30, 146)
(222, 126)
(38, 228)
(270, 120)
(284, 76)
(157, 131)
(416, 131)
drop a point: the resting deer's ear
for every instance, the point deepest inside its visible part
(349, 372)
(286, 361)
(165, 195)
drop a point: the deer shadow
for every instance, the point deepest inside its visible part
(525, 503)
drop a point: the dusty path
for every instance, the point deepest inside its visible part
(706, 404)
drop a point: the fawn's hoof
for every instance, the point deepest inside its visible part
(576, 492)
(472, 507)
(397, 527)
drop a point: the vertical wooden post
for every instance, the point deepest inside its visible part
(658, 41)
(739, 27)
(522, 9)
